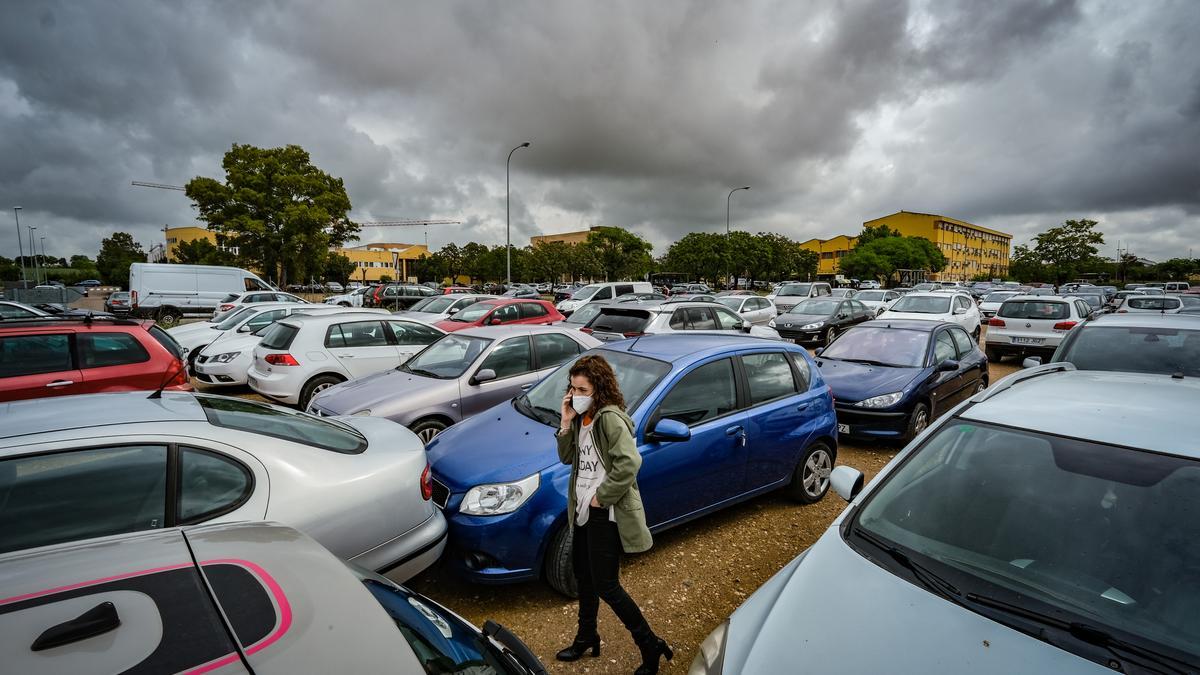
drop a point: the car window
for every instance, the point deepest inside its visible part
(727, 319)
(506, 314)
(14, 312)
(510, 357)
(34, 354)
(823, 289)
(679, 319)
(552, 349)
(265, 319)
(962, 341)
(769, 376)
(605, 293)
(356, 334)
(279, 336)
(254, 284)
(802, 371)
(532, 310)
(98, 350)
(412, 333)
(288, 425)
(700, 318)
(1082, 308)
(943, 348)
(210, 485)
(284, 297)
(1134, 349)
(624, 288)
(1158, 302)
(164, 338)
(65, 496)
(704, 393)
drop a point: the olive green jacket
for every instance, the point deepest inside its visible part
(612, 431)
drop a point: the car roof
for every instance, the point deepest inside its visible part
(500, 332)
(922, 325)
(1147, 320)
(1098, 406)
(927, 294)
(42, 415)
(75, 322)
(687, 345)
(1041, 298)
(333, 317)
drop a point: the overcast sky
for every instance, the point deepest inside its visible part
(1014, 115)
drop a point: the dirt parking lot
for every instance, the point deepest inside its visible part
(692, 579)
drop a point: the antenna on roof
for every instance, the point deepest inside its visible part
(635, 341)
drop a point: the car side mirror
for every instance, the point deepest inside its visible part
(485, 375)
(949, 365)
(244, 328)
(671, 430)
(453, 311)
(495, 322)
(1032, 362)
(746, 326)
(960, 310)
(846, 481)
(818, 351)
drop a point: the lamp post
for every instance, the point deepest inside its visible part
(727, 198)
(508, 220)
(20, 244)
(37, 277)
(45, 272)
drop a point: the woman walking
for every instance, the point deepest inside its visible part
(595, 437)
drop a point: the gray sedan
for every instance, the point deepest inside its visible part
(461, 374)
(78, 467)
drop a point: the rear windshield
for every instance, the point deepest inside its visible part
(164, 338)
(801, 290)
(870, 296)
(998, 297)
(620, 322)
(1093, 300)
(257, 418)
(279, 336)
(472, 313)
(1157, 302)
(1034, 309)
(435, 305)
(922, 304)
(1156, 349)
(584, 314)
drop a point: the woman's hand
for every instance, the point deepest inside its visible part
(595, 503)
(568, 412)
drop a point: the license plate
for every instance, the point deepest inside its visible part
(1027, 341)
(843, 428)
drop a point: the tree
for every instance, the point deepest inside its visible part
(804, 263)
(621, 253)
(1068, 247)
(202, 252)
(82, 262)
(700, 254)
(870, 234)
(474, 260)
(453, 259)
(339, 268)
(385, 279)
(1024, 265)
(885, 252)
(117, 253)
(549, 260)
(1176, 268)
(281, 212)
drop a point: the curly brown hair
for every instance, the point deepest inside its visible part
(604, 381)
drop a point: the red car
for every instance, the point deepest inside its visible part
(502, 311)
(457, 289)
(56, 357)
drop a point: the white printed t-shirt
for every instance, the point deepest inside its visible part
(590, 475)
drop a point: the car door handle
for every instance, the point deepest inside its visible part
(803, 406)
(738, 433)
(345, 356)
(60, 383)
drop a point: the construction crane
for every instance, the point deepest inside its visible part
(160, 186)
(411, 222)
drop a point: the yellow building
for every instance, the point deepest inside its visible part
(181, 235)
(565, 237)
(830, 252)
(374, 261)
(971, 250)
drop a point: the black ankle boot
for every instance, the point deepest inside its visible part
(651, 649)
(579, 647)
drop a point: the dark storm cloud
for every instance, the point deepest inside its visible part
(640, 114)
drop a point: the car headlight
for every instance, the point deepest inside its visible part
(361, 413)
(710, 658)
(226, 357)
(771, 323)
(884, 401)
(812, 326)
(499, 498)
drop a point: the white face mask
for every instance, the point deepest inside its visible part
(581, 403)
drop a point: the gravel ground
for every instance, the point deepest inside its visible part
(695, 576)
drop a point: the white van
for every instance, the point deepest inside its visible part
(1177, 287)
(605, 291)
(167, 292)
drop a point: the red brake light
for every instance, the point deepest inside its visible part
(426, 484)
(634, 334)
(998, 323)
(281, 360)
(133, 298)
(1064, 325)
(226, 307)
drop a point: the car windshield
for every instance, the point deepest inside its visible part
(880, 346)
(584, 314)
(1034, 309)
(229, 322)
(870, 296)
(584, 293)
(447, 358)
(733, 302)
(922, 304)
(795, 289)
(435, 305)
(998, 297)
(1134, 349)
(1093, 300)
(816, 307)
(636, 376)
(268, 420)
(473, 313)
(1084, 532)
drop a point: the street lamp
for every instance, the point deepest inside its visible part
(20, 245)
(727, 198)
(43, 258)
(508, 220)
(37, 277)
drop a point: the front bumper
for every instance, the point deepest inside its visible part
(229, 374)
(799, 336)
(871, 424)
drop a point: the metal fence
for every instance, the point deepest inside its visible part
(61, 295)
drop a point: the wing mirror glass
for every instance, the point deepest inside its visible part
(846, 481)
(949, 365)
(960, 310)
(485, 375)
(818, 351)
(672, 430)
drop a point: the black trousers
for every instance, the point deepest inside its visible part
(596, 553)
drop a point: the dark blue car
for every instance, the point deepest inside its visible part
(718, 419)
(891, 377)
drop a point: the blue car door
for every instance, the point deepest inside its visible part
(679, 478)
(782, 415)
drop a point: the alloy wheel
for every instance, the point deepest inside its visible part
(920, 422)
(427, 434)
(816, 473)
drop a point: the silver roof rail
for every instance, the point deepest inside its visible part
(1020, 376)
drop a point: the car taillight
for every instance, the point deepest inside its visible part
(998, 323)
(181, 375)
(426, 484)
(1064, 325)
(281, 360)
(133, 298)
(226, 307)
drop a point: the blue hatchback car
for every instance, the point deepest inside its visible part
(718, 419)
(891, 377)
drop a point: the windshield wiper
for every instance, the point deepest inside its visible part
(868, 362)
(927, 578)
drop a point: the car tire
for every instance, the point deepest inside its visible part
(191, 357)
(828, 337)
(993, 355)
(430, 427)
(976, 334)
(980, 386)
(343, 304)
(810, 478)
(168, 317)
(315, 385)
(918, 421)
(560, 571)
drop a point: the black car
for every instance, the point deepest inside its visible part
(397, 296)
(820, 319)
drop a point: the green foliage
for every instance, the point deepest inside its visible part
(117, 253)
(880, 251)
(82, 262)
(620, 253)
(202, 252)
(339, 268)
(710, 256)
(1176, 269)
(385, 279)
(1067, 248)
(548, 261)
(870, 234)
(700, 254)
(9, 269)
(1024, 265)
(281, 212)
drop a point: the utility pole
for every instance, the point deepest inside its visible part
(37, 277)
(20, 245)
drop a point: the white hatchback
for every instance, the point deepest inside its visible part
(1154, 304)
(235, 300)
(878, 300)
(300, 356)
(956, 308)
(1033, 324)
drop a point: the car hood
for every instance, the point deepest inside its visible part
(450, 326)
(897, 626)
(798, 320)
(496, 446)
(853, 382)
(383, 393)
(232, 342)
(191, 330)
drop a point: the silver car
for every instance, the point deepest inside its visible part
(229, 598)
(1046, 525)
(756, 310)
(78, 467)
(441, 307)
(461, 374)
(619, 322)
